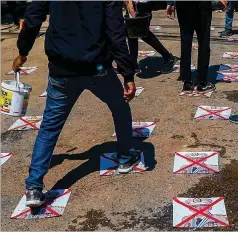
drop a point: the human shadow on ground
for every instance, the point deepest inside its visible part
(212, 75)
(150, 67)
(93, 161)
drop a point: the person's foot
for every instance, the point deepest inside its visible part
(234, 118)
(14, 28)
(137, 69)
(35, 198)
(169, 64)
(205, 87)
(126, 165)
(226, 32)
(188, 87)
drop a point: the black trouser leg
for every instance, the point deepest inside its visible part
(133, 49)
(186, 34)
(153, 41)
(150, 39)
(203, 36)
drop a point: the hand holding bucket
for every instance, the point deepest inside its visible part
(14, 96)
(137, 25)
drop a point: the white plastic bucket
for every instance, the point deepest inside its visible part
(14, 97)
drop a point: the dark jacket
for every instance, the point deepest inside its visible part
(80, 36)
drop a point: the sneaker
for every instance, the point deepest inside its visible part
(234, 118)
(226, 32)
(34, 198)
(205, 87)
(169, 64)
(188, 87)
(126, 165)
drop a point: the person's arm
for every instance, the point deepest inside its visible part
(35, 15)
(224, 4)
(116, 33)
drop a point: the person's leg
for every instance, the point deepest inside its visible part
(12, 9)
(203, 35)
(230, 15)
(229, 20)
(186, 33)
(133, 49)
(203, 29)
(154, 42)
(151, 39)
(61, 96)
(109, 89)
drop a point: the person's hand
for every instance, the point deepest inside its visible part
(129, 91)
(223, 4)
(170, 12)
(18, 62)
(130, 9)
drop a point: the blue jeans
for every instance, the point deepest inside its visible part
(62, 93)
(230, 15)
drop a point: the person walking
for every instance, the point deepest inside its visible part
(17, 9)
(194, 16)
(81, 38)
(229, 19)
(146, 7)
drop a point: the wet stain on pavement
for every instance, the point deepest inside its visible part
(232, 95)
(177, 136)
(9, 137)
(224, 184)
(157, 218)
(219, 148)
(90, 222)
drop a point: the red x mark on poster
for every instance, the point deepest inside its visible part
(138, 129)
(27, 123)
(9, 154)
(235, 78)
(196, 162)
(213, 112)
(200, 212)
(46, 206)
(234, 55)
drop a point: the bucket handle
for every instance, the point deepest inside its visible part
(17, 79)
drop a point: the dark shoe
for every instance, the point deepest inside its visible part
(227, 32)
(234, 118)
(205, 87)
(188, 87)
(137, 69)
(34, 198)
(126, 165)
(169, 64)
